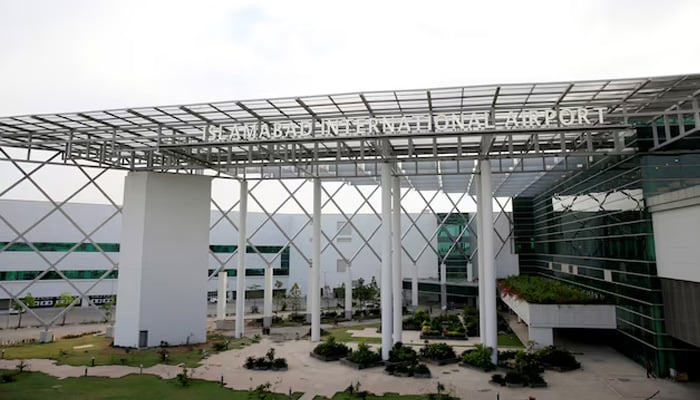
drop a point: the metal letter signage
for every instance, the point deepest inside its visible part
(477, 121)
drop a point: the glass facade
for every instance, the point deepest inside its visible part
(283, 270)
(453, 244)
(592, 229)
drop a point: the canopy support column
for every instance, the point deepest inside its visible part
(385, 292)
(240, 270)
(314, 288)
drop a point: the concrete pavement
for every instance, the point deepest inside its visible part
(605, 375)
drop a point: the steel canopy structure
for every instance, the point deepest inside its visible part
(511, 140)
(526, 154)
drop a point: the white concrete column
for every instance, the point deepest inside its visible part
(480, 261)
(240, 270)
(443, 286)
(396, 275)
(316, 265)
(348, 293)
(267, 297)
(489, 261)
(470, 272)
(221, 296)
(414, 286)
(309, 272)
(163, 257)
(385, 292)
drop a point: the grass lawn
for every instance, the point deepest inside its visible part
(510, 340)
(345, 335)
(79, 351)
(38, 386)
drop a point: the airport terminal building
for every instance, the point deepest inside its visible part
(591, 183)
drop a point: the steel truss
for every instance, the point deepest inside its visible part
(174, 138)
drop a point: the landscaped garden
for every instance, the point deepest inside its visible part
(525, 368)
(537, 290)
(268, 362)
(96, 349)
(363, 357)
(403, 362)
(330, 350)
(39, 386)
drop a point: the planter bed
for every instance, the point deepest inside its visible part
(440, 362)
(324, 358)
(515, 385)
(538, 385)
(349, 363)
(407, 375)
(268, 369)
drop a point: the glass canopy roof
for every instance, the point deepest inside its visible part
(532, 133)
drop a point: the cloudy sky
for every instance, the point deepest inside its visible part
(80, 55)
(84, 55)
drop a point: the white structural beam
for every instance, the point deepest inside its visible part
(267, 297)
(314, 289)
(221, 296)
(348, 292)
(386, 292)
(486, 225)
(396, 275)
(480, 261)
(240, 271)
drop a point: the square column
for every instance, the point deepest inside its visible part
(163, 258)
(396, 286)
(385, 293)
(241, 250)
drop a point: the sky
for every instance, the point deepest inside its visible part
(83, 55)
(68, 55)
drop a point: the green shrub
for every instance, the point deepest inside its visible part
(498, 378)
(556, 357)
(438, 351)
(479, 357)
(331, 348)
(401, 353)
(267, 362)
(364, 356)
(515, 377)
(415, 321)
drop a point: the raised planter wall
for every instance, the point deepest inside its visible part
(542, 318)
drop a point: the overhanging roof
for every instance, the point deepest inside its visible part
(170, 138)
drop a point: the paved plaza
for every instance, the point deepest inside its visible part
(605, 374)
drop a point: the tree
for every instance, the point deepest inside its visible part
(366, 293)
(279, 296)
(64, 300)
(294, 297)
(28, 301)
